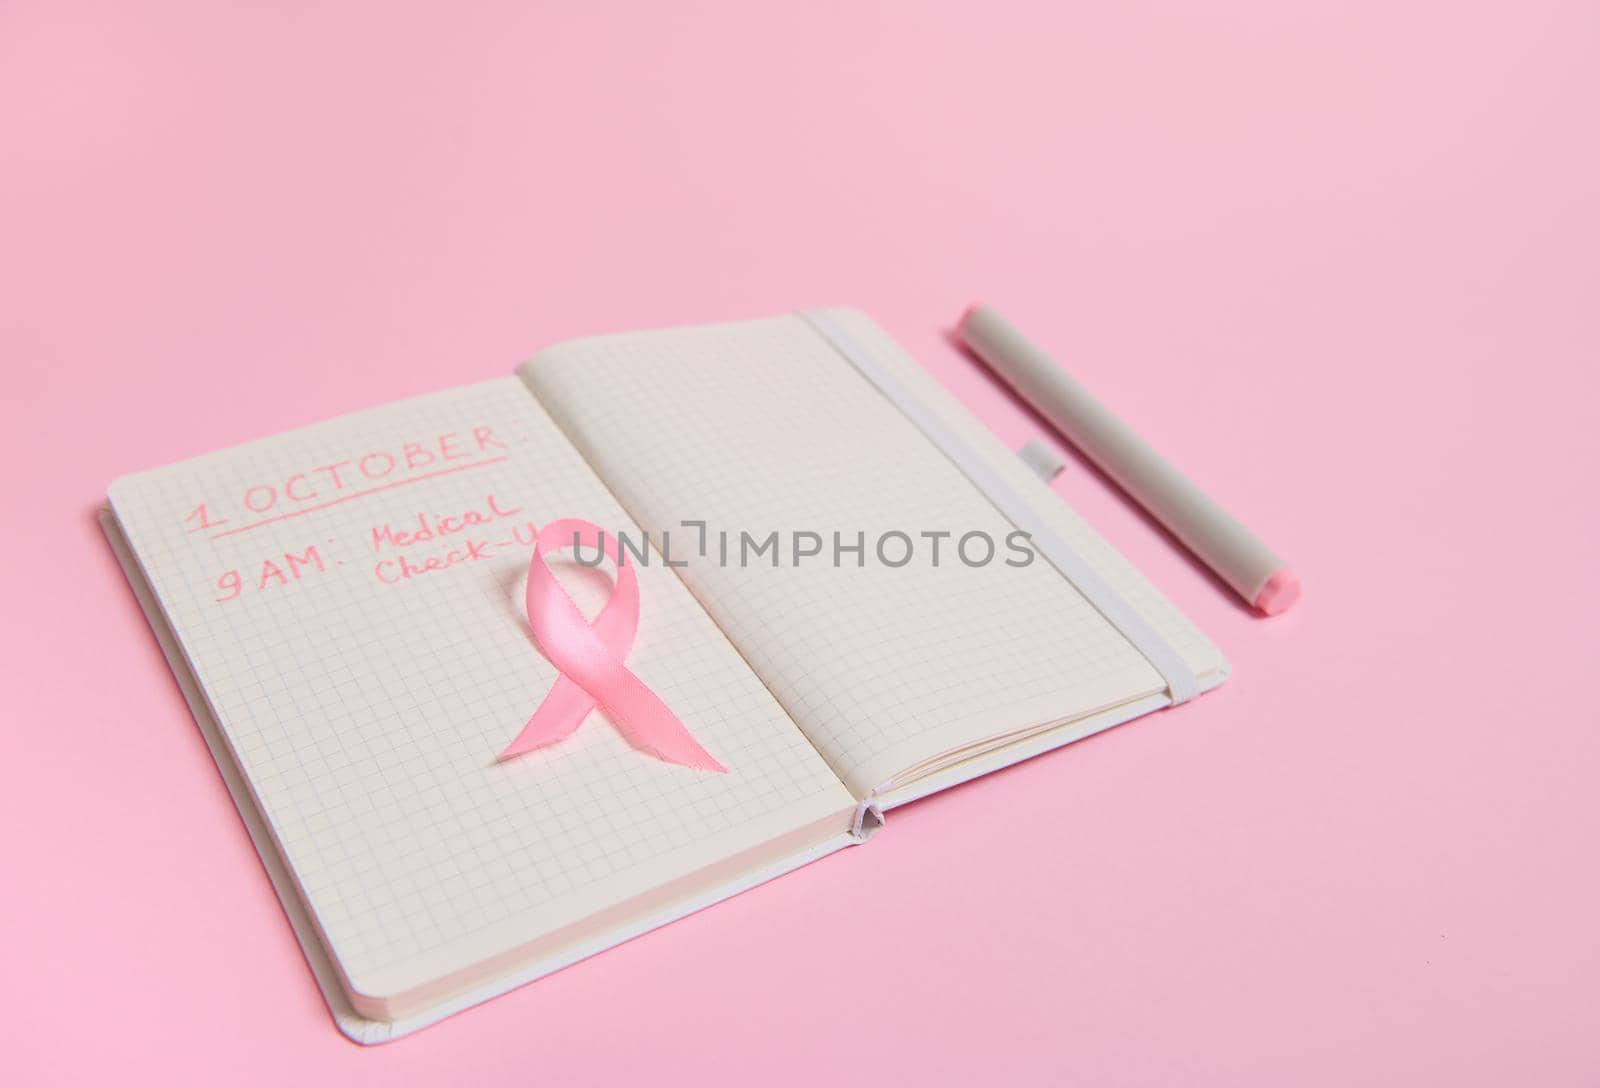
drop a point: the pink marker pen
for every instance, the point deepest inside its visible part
(1251, 568)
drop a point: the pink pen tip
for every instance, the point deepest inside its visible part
(966, 315)
(1281, 591)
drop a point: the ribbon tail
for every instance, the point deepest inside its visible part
(647, 724)
(676, 746)
(564, 708)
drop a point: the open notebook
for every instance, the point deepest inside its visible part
(342, 605)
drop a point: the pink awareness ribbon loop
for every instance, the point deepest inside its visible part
(590, 658)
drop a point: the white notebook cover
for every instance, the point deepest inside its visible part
(578, 383)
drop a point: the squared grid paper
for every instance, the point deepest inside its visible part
(366, 717)
(1199, 652)
(761, 426)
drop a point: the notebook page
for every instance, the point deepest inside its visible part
(759, 427)
(366, 678)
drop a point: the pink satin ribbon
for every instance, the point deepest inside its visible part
(590, 658)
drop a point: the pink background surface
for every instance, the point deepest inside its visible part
(1340, 263)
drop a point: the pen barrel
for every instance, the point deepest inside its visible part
(1237, 556)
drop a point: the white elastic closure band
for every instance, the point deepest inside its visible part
(1182, 684)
